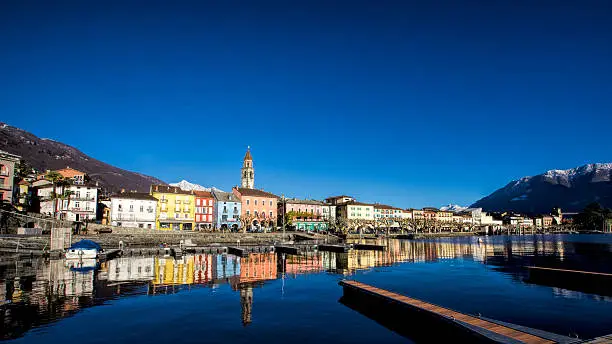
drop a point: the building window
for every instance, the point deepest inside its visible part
(270, 214)
(255, 202)
(142, 208)
(248, 202)
(120, 207)
(255, 213)
(140, 225)
(248, 212)
(224, 209)
(77, 204)
(270, 203)
(131, 207)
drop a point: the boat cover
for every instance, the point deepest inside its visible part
(86, 245)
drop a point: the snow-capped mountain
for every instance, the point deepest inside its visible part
(453, 208)
(187, 186)
(570, 189)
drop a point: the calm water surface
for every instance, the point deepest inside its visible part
(268, 298)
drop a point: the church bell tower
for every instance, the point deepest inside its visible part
(248, 173)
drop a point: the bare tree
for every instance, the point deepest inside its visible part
(245, 221)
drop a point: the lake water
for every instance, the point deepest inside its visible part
(268, 298)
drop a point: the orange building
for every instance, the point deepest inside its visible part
(258, 206)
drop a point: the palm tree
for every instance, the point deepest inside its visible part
(55, 178)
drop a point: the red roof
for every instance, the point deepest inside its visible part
(202, 194)
(255, 193)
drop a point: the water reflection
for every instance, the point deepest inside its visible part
(37, 292)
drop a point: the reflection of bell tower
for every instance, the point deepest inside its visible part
(246, 303)
(248, 173)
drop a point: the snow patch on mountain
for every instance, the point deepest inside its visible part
(453, 208)
(572, 173)
(187, 186)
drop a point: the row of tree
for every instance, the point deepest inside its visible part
(593, 218)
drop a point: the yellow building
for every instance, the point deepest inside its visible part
(175, 208)
(23, 195)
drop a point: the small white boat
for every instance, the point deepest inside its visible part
(480, 241)
(84, 249)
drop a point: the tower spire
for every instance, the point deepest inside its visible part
(248, 172)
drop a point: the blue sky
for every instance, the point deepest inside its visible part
(407, 103)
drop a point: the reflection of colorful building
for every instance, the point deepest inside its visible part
(169, 271)
(295, 265)
(225, 266)
(258, 267)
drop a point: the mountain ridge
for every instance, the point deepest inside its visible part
(49, 154)
(571, 190)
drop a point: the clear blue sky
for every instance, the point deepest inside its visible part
(407, 103)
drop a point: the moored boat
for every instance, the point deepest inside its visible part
(84, 249)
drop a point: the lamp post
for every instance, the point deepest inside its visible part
(284, 211)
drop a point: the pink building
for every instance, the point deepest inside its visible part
(258, 206)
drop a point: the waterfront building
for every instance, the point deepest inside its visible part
(259, 208)
(75, 176)
(387, 211)
(306, 215)
(71, 202)
(133, 209)
(175, 208)
(329, 212)
(608, 226)
(430, 213)
(24, 195)
(8, 162)
(301, 206)
(226, 210)
(417, 214)
(445, 218)
(405, 214)
(204, 208)
(337, 200)
(247, 172)
(354, 210)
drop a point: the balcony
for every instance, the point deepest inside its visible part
(187, 202)
(82, 198)
(163, 200)
(178, 201)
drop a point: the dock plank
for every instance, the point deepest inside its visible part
(493, 327)
(570, 271)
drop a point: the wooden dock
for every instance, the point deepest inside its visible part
(600, 340)
(333, 248)
(461, 327)
(286, 249)
(109, 254)
(368, 247)
(237, 251)
(553, 270)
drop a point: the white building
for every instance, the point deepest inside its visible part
(329, 212)
(71, 202)
(356, 211)
(133, 209)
